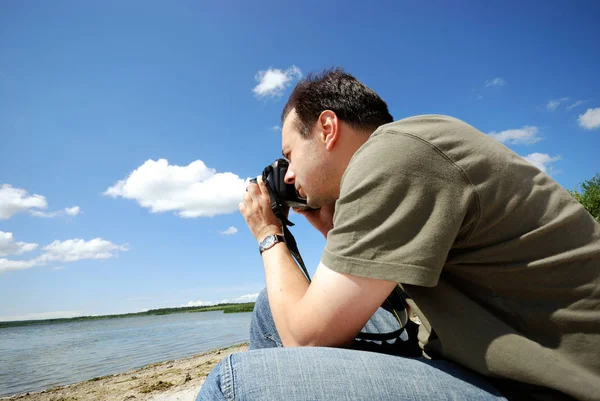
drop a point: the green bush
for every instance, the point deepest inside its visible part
(589, 196)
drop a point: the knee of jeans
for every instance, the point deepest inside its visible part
(262, 302)
(262, 315)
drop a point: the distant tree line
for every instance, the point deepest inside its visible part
(226, 308)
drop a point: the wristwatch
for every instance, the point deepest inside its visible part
(269, 241)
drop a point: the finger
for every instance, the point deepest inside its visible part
(253, 183)
(253, 189)
(247, 197)
(255, 195)
(262, 186)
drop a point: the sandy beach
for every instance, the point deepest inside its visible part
(178, 380)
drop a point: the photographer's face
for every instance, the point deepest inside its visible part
(308, 169)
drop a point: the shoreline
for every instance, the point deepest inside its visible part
(174, 380)
(226, 308)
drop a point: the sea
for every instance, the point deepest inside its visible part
(34, 358)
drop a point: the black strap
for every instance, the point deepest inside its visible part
(289, 239)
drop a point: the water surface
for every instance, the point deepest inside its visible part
(33, 358)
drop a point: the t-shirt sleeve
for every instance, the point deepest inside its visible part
(402, 203)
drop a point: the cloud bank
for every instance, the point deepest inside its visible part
(194, 190)
(238, 300)
(58, 251)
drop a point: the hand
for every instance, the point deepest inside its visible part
(321, 219)
(256, 209)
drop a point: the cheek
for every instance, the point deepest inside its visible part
(313, 173)
(308, 171)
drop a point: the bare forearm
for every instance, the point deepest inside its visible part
(286, 285)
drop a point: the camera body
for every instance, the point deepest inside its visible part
(285, 194)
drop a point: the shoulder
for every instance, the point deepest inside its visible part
(464, 146)
(412, 142)
(430, 127)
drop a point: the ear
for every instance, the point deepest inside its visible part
(329, 129)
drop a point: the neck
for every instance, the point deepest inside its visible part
(350, 143)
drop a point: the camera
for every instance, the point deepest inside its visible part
(284, 194)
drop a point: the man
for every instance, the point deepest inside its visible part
(501, 265)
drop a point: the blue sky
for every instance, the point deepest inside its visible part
(181, 102)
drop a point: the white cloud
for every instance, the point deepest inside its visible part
(192, 191)
(576, 104)
(66, 251)
(15, 200)
(77, 249)
(527, 135)
(41, 316)
(230, 231)
(8, 246)
(541, 160)
(245, 298)
(495, 82)
(553, 104)
(46, 215)
(70, 211)
(590, 119)
(273, 81)
(8, 265)
(276, 128)
(238, 300)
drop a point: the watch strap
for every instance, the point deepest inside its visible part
(276, 239)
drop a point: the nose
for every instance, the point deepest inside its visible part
(290, 177)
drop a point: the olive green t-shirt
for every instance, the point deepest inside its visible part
(501, 264)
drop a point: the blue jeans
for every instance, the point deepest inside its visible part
(270, 372)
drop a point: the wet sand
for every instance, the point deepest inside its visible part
(178, 380)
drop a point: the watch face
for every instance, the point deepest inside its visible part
(269, 241)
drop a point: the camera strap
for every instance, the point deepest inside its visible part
(288, 238)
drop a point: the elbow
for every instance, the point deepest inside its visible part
(298, 339)
(302, 336)
(302, 341)
(293, 343)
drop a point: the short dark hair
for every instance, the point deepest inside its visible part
(351, 100)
